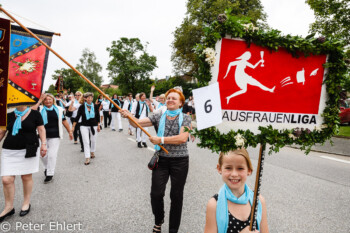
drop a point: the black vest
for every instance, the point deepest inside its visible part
(137, 114)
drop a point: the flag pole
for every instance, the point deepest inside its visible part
(73, 68)
(259, 172)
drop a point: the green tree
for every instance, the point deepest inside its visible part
(90, 68)
(201, 13)
(332, 18)
(130, 66)
(333, 21)
(52, 89)
(71, 80)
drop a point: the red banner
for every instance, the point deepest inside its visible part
(255, 79)
(5, 32)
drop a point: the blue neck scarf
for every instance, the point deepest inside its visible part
(130, 105)
(76, 102)
(160, 105)
(225, 194)
(60, 103)
(161, 126)
(44, 112)
(115, 102)
(141, 106)
(90, 114)
(100, 100)
(18, 123)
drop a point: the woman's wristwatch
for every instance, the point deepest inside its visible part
(162, 140)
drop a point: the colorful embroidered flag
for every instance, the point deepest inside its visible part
(59, 84)
(27, 68)
(5, 30)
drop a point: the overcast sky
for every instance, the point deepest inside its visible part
(95, 24)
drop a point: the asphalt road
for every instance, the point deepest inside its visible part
(303, 193)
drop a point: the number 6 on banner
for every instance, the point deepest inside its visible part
(208, 106)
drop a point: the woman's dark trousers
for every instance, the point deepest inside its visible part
(176, 169)
(77, 133)
(106, 117)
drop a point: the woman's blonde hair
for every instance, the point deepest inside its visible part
(242, 152)
(52, 97)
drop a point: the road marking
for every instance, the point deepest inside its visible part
(133, 140)
(334, 159)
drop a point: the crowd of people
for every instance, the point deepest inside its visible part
(83, 118)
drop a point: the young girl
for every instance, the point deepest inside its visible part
(229, 211)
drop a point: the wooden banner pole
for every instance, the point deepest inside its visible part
(258, 178)
(73, 68)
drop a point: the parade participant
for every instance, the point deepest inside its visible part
(128, 102)
(157, 104)
(229, 211)
(20, 155)
(59, 101)
(53, 119)
(115, 113)
(140, 110)
(90, 115)
(171, 133)
(69, 113)
(106, 112)
(99, 105)
(74, 108)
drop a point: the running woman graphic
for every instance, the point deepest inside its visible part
(243, 79)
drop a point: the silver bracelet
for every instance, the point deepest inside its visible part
(162, 140)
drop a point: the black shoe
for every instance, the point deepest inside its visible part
(113, 130)
(24, 212)
(12, 212)
(48, 179)
(139, 144)
(82, 150)
(45, 172)
(144, 144)
(120, 130)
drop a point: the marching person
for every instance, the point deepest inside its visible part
(115, 113)
(69, 113)
(106, 112)
(90, 115)
(140, 110)
(74, 108)
(59, 101)
(229, 211)
(128, 102)
(53, 119)
(20, 155)
(160, 106)
(171, 134)
(99, 105)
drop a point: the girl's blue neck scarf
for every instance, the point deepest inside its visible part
(76, 102)
(90, 114)
(18, 123)
(44, 112)
(100, 100)
(141, 106)
(160, 105)
(225, 194)
(161, 126)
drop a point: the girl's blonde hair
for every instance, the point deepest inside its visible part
(242, 152)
